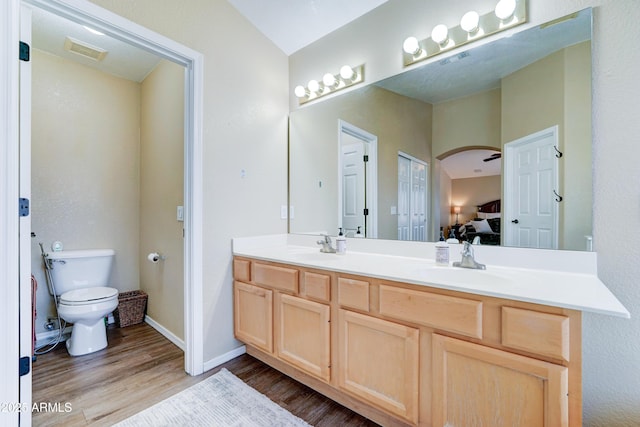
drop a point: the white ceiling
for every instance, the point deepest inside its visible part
(293, 24)
(471, 164)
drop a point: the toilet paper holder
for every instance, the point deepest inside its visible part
(154, 257)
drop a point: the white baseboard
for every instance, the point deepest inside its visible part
(217, 361)
(165, 332)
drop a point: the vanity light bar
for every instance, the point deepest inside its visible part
(507, 14)
(330, 83)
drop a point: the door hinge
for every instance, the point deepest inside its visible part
(366, 211)
(366, 158)
(23, 206)
(24, 52)
(24, 366)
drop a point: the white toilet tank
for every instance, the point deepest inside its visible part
(80, 269)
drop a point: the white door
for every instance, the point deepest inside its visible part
(358, 180)
(531, 191)
(404, 198)
(419, 201)
(353, 185)
(412, 198)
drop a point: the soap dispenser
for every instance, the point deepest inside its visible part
(341, 243)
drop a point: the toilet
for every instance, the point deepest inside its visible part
(80, 279)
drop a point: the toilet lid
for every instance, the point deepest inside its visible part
(88, 295)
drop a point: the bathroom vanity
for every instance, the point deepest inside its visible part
(404, 342)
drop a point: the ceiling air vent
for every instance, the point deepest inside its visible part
(84, 49)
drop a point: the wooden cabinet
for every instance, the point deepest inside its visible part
(303, 334)
(378, 361)
(253, 315)
(474, 385)
(412, 355)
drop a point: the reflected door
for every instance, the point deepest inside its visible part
(353, 186)
(530, 199)
(412, 198)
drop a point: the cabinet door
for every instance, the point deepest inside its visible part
(253, 315)
(474, 385)
(378, 362)
(303, 334)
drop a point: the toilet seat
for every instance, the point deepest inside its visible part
(87, 296)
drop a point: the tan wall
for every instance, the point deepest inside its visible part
(470, 121)
(400, 123)
(161, 191)
(446, 200)
(245, 99)
(577, 218)
(468, 193)
(85, 167)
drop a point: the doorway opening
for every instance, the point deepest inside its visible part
(117, 27)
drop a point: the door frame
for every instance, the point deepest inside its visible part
(10, 381)
(11, 305)
(508, 201)
(372, 174)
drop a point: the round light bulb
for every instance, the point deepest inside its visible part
(440, 34)
(505, 9)
(346, 72)
(470, 21)
(329, 80)
(300, 91)
(313, 86)
(411, 46)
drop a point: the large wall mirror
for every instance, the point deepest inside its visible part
(493, 142)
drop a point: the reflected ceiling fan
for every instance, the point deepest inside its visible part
(492, 157)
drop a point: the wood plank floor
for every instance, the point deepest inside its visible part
(140, 368)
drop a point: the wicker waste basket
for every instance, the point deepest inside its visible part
(131, 308)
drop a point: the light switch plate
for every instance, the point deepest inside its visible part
(180, 213)
(283, 212)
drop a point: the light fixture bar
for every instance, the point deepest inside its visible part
(330, 83)
(488, 24)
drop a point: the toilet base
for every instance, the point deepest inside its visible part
(86, 339)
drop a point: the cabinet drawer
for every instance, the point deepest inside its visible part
(541, 333)
(242, 270)
(273, 276)
(353, 293)
(317, 286)
(458, 315)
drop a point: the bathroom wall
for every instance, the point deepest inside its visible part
(471, 192)
(245, 98)
(470, 121)
(85, 167)
(161, 191)
(611, 348)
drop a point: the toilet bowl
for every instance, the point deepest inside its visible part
(80, 280)
(86, 308)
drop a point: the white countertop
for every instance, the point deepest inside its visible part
(565, 286)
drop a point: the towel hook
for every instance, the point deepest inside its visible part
(558, 152)
(558, 197)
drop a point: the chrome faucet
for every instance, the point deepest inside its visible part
(467, 260)
(326, 245)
